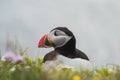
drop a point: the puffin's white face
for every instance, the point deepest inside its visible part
(56, 38)
(59, 38)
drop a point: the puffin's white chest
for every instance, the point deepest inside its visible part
(64, 62)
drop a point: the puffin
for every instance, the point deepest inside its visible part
(65, 53)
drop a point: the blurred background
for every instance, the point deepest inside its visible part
(96, 25)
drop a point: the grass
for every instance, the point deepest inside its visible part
(32, 70)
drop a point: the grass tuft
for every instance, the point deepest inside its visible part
(32, 70)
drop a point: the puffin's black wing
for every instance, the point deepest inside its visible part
(80, 54)
(49, 56)
(52, 55)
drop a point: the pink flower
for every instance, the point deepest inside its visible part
(19, 59)
(9, 56)
(12, 57)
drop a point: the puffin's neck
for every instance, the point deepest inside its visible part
(67, 49)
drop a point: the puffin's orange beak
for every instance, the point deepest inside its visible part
(44, 42)
(41, 41)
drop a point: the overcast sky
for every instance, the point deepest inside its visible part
(96, 25)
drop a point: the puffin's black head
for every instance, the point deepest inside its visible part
(60, 37)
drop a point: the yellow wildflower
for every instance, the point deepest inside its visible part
(76, 77)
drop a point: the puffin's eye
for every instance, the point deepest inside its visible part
(55, 33)
(59, 33)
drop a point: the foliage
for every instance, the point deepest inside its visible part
(30, 70)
